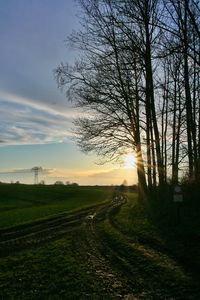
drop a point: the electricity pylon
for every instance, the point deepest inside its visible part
(36, 171)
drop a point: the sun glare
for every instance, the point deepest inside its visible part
(129, 161)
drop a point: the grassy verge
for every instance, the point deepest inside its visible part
(135, 220)
(152, 252)
(157, 226)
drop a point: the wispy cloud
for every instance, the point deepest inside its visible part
(25, 121)
(87, 177)
(26, 171)
(103, 177)
(48, 107)
(32, 109)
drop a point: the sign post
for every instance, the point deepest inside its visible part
(178, 199)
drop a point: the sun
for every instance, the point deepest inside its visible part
(129, 161)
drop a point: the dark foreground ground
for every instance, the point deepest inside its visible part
(111, 251)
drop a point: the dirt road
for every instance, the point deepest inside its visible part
(18, 238)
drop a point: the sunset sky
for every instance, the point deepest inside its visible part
(36, 119)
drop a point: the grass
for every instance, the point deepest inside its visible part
(152, 275)
(135, 220)
(21, 204)
(157, 224)
(50, 272)
(162, 255)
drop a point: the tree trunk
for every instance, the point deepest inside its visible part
(142, 186)
(150, 90)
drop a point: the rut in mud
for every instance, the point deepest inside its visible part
(90, 249)
(16, 239)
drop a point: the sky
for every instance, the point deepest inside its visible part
(36, 118)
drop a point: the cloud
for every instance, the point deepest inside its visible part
(32, 46)
(39, 105)
(107, 173)
(24, 121)
(93, 177)
(26, 171)
(89, 177)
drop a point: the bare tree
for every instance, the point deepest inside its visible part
(106, 85)
(138, 84)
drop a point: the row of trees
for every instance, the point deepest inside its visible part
(138, 83)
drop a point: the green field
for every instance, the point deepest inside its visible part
(21, 204)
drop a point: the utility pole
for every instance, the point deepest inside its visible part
(36, 171)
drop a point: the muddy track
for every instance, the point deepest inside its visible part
(97, 255)
(18, 238)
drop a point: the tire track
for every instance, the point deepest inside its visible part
(97, 255)
(19, 238)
